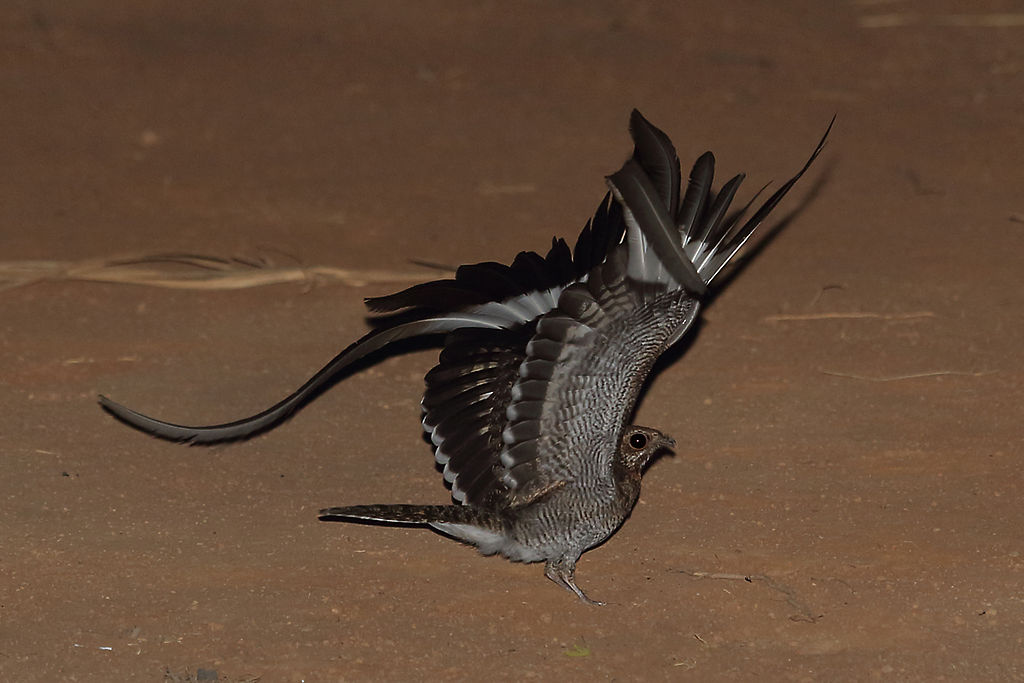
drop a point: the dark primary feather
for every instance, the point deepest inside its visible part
(464, 408)
(735, 242)
(657, 156)
(480, 283)
(715, 223)
(602, 232)
(697, 189)
(633, 188)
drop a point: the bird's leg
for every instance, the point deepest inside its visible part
(563, 572)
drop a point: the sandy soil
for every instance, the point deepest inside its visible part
(845, 503)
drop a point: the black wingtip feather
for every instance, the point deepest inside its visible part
(634, 190)
(777, 196)
(735, 238)
(716, 213)
(657, 156)
(697, 190)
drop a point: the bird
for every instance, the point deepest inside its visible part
(529, 407)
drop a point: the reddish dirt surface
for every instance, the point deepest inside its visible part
(848, 413)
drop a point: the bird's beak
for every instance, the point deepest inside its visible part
(669, 445)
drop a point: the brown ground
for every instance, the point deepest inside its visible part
(848, 414)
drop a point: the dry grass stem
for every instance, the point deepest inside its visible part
(189, 271)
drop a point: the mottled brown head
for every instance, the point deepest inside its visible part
(640, 444)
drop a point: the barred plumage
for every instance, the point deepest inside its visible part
(529, 406)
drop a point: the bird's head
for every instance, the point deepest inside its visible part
(640, 444)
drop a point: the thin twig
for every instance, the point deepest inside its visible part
(998, 20)
(805, 613)
(719, 575)
(821, 291)
(916, 375)
(896, 19)
(847, 316)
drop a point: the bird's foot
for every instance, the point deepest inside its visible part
(563, 572)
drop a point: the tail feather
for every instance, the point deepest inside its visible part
(402, 514)
(470, 524)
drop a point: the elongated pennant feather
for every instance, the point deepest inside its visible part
(544, 358)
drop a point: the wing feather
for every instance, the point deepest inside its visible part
(523, 416)
(657, 155)
(464, 406)
(644, 210)
(701, 177)
(589, 394)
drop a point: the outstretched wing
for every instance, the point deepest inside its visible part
(246, 427)
(468, 392)
(677, 245)
(483, 296)
(464, 406)
(513, 413)
(511, 419)
(584, 368)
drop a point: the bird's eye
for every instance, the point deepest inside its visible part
(638, 440)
